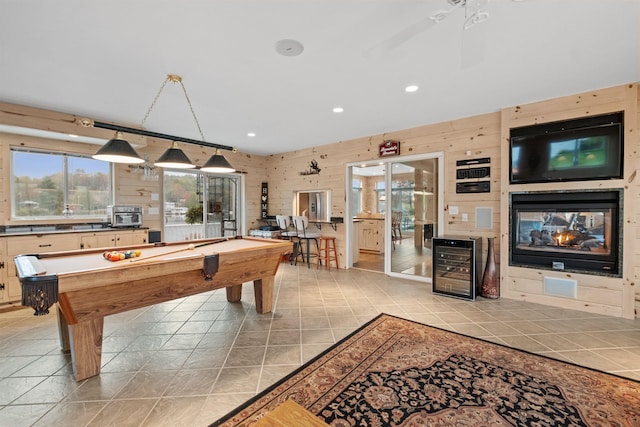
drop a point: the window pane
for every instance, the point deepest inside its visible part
(222, 205)
(37, 184)
(40, 189)
(89, 186)
(182, 208)
(181, 195)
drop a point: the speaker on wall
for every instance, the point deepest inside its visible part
(484, 217)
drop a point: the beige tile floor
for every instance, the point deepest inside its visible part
(188, 362)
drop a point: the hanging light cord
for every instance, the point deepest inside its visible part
(174, 79)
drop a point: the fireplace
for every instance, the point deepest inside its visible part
(567, 231)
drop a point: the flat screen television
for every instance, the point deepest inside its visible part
(581, 149)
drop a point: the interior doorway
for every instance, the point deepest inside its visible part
(394, 206)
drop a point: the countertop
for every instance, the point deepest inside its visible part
(21, 230)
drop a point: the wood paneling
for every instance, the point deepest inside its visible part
(605, 295)
(484, 135)
(472, 137)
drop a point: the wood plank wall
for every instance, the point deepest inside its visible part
(605, 295)
(130, 186)
(467, 138)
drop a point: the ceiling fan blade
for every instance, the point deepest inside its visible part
(400, 37)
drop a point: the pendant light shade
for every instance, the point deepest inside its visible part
(174, 157)
(217, 164)
(118, 150)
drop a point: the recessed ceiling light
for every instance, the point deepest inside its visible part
(411, 88)
(251, 134)
(338, 109)
(289, 47)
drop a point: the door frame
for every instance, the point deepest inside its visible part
(387, 222)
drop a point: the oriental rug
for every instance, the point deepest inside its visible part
(395, 372)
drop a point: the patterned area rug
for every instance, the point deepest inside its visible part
(395, 372)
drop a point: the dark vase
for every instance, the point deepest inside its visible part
(490, 287)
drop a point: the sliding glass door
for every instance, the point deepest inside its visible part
(199, 205)
(394, 210)
(413, 215)
(223, 203)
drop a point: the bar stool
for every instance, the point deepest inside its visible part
(300, 223)
(284, 222)
(327, 251)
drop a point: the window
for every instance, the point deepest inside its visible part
(402, 199)
(44, 184)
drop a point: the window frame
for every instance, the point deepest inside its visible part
(65, 157)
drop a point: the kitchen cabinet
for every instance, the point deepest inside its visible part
(12, 245)
(110, 239)
(38, 243)
(372, 235)
(132, 237)
(30, 244)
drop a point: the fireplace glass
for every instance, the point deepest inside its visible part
(574, 231)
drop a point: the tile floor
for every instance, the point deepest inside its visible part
(405, 258)
(188, 362)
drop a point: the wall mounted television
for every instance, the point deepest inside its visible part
(581, 149)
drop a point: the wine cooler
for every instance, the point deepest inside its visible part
(456, 266)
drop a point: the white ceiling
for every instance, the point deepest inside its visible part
(107, 60)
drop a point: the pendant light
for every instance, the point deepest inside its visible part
(217, 164)
(174, 157)
(118, 150)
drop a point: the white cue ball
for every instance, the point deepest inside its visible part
(191, 247)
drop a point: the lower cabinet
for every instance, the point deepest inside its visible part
(132, 237)
(30, 244)
(372, 235)
(10, 246)
(110, 239)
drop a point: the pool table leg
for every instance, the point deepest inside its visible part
(234, 293)
(86, 347)
(63, 331)
(263, 292)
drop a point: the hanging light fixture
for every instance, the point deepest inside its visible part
(118, 150)
(174, 157)
(217, 164)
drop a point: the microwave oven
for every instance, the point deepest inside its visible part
(124, 215)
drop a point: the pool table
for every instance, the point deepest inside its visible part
(87, 287)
